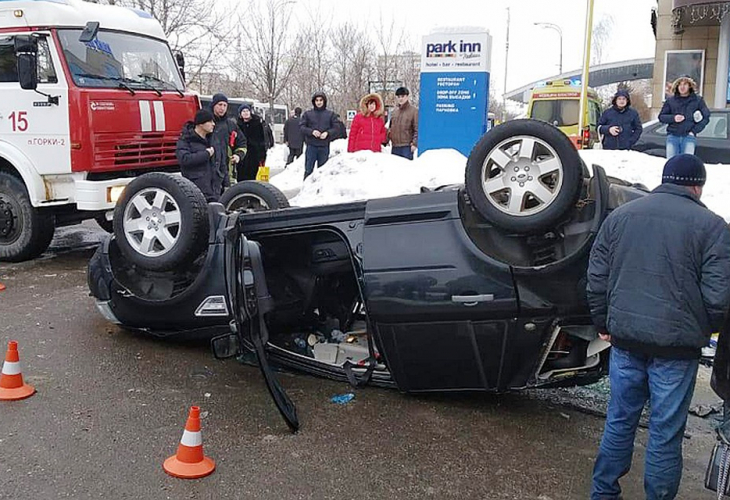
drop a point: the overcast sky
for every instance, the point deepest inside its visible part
(533, 51)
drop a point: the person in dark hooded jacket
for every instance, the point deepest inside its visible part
(253, 129)
(195, 154)
(620, 124)
(686, 115)
(318, 127)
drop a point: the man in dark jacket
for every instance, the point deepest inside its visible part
(318, 127)
(195, 155)
(293, 136)
(620, 125)
(686, 115)
(228, 140)
(252, 127)
(657, 288)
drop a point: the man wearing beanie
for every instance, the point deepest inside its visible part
(228, 140)
(195, 155)
(657, 288)
(620, 125)
(686, 114)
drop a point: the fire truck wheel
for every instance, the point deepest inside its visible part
(25, 232)
(524, 176)
(161, 222)
(253, 196)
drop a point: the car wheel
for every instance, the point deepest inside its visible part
(524, 176)
(25, 232)
(161, 222)
(253, 196)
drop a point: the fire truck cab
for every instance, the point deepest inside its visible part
(90, 97)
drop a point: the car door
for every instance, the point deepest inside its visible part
(250, 302)
(440, 308)
(712, 142)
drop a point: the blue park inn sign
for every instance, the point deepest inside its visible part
(454, 96)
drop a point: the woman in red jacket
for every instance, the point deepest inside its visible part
(368, 129)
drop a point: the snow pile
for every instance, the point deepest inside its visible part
(633, 166)
(365, 175)
(276, 158)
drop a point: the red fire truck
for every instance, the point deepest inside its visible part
(90, 97)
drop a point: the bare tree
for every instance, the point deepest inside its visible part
(271, 51)
(601, 38)
(389, 42)
(352, 62)
(191, 27)
(313, 71)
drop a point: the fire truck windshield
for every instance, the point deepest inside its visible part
(113, 57)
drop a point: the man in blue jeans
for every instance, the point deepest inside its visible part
(686, 115)
(318, 128)
(657, 287)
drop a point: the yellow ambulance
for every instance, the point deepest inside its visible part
(558, 101)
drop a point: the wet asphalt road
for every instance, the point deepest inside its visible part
(111, 406)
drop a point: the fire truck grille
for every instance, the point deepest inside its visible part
(132, 150)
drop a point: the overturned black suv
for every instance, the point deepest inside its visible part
(479, 287)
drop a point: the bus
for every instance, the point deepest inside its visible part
(281, 112)
(281, 115)
(558, 101)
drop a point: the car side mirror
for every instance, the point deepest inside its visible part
(225, 346)
(180, 60)
(26, 52)
(90, 31)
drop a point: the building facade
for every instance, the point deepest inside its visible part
(692, 38)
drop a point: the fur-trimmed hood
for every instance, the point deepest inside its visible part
(692, 85)
(378, 104)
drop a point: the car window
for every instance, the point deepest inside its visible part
(717, 128)
(560, 113)
(9, 61)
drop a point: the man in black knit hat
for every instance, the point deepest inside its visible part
(657, 287)
(228, 140)
(195, 155)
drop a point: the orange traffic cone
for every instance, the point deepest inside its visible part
(12, 387)
(189, 462)
(2, 287)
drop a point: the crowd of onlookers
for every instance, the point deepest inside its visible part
(215, 151)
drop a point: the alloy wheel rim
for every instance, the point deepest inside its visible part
(248, 202)
(522, 176)
(152, 222)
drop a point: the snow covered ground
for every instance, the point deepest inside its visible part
(363, 175)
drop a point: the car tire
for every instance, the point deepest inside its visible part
(161, 222)
(524, 176)
(25, 232)
(253, 196)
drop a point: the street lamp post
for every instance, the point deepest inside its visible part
(560, 32)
